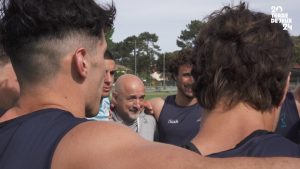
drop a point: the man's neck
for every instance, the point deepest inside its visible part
(185, 101)
(47, 96)
(230, 126)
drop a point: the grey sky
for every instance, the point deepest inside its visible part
(167, 18)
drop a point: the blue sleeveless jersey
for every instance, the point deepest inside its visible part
(2, 111)
(289, 123)
(259, 144)
(29, 141)
(177, 124)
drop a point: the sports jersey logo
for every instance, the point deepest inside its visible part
(173, 121)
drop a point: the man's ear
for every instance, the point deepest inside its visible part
(286, 88)
(114, 97)
(80, 61)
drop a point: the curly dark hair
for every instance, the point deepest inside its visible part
(4, 59)
(34, 31)
(240, 56)
(183, 57)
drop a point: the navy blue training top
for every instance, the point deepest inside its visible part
(288, 123)
(2, 111)
(178, 124)
(29, 141)
(258, 144)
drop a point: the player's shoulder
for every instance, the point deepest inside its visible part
(91, 140)
(157, 100)
(157, 105)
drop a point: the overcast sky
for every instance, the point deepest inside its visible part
(167, 18)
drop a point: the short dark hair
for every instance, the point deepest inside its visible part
(34, 32)
(240, 56)
(108, 55)
(4, 59)
(183, 57)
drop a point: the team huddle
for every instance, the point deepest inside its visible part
(58, 108)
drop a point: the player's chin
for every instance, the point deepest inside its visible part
(189, 94)
(105, 92)
(106, 88)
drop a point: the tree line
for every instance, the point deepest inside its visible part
(142, 55)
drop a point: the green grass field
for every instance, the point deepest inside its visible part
(150, 95)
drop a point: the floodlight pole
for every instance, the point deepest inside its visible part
(164, 70)
(135, 56)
